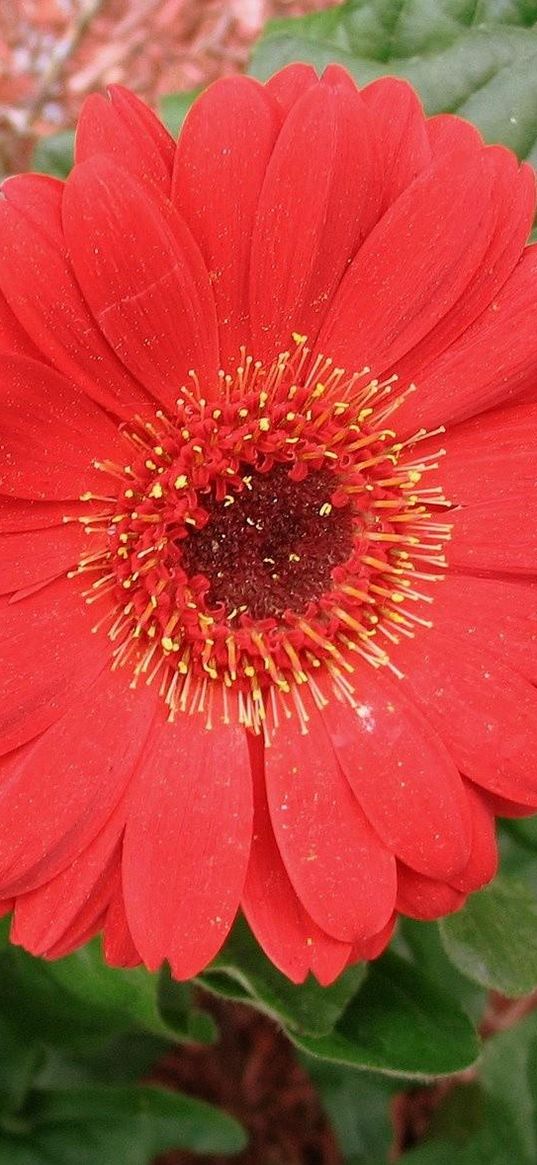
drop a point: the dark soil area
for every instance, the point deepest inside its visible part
(252, 1072)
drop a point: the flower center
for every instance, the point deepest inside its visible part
(272, 547)
(279, 529)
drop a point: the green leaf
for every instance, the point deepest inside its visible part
(20, 1060)
(423, 942)
(358, 1107)
(307, 1008)
(123, 1059)
(127, 1126)
(477, 59)
(54, 154)
(177, 1010)
(399, 1024)
(493, 939)
(77, 1001)
(173, 108)
(523, 830)
(494, 1120)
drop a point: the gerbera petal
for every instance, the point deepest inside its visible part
(447, 133)
(401, 130)
(39, 285)
(514, 203)
(143, 277)
(48, 659)
(372, 947)
(41, 555)
(221, 159)
(19, 514)
(118, 947)
(187, 842)
(81, 772)
(319, 199)
(288, 84)
(491, 363)
(51, 434)
(289, 937)
(342, 873)
(496, 536)
(491, 456)
(415, 264)
(44, 916)
(498, 615)
(425, 898)
(401, 774)
(13, 337)
(38, 197)
(485, 713)
(483, 861)
(503, 807)
(85, 925)
(123, 127)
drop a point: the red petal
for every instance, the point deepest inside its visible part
(415, 264)
(48, 659)
(187, 843)
(447, 133)
(514, 203)
(44, 916)
(84, 927)
(494, 360)
(401, 775)
(118, 947)
(501, 807)
(401, 131)
(51, 433)
(290, 938)
(19, 514)
(423, 898)
(290, 83)
(13, 337)
(143, 277)
(490, 468)
(38, 197)
(484, 712)
(125, 129)
(491, 456)
(372, 947)
(343, 874)
(320, 198)
(37, 281)
(483, 862)
(222, 156)
(57, 792)
(498, 536)
(42, 555)
(494, 615)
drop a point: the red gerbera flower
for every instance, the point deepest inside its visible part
(268, 428)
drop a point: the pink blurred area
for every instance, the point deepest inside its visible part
(54, 52)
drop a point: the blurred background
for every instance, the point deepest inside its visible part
(54, 52)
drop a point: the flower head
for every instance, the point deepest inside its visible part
(268, 628)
